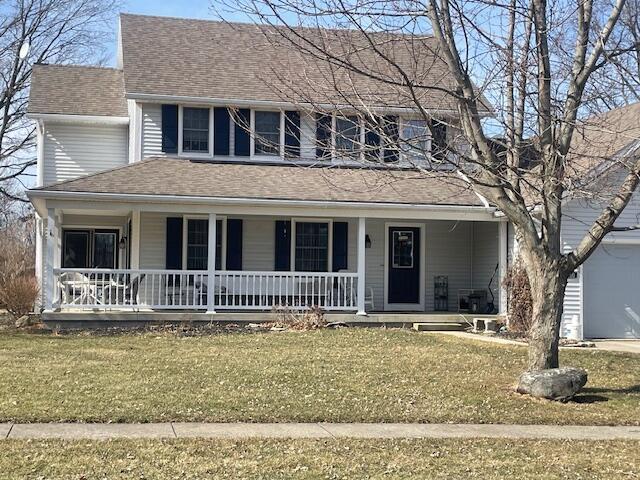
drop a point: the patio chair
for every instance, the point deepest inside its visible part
(77, 289)
(127, 294)
(342, 286)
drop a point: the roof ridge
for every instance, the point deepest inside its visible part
(269, 26)
(66, 65)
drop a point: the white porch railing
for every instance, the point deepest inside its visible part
(188, 290)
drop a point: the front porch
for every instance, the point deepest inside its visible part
(144, 265)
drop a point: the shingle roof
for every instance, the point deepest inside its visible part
(77, 90)
(598, 139)
(181, 177)
(212, 59)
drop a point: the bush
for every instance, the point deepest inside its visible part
(18, 284)
(520, 315)
(18, 294)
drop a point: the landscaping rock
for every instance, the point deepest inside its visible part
(555, 383)
(23, 321)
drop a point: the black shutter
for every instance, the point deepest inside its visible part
(173, 256)
(438, 139)
(340, 245)
(170, 128)
(242, 145)
(372, 141)
(221, 131)
(283, 246)
(323, 136)
(292, 134)
(234, 244)
(392, 138)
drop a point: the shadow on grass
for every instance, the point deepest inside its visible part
(589, 399)
(630, 389)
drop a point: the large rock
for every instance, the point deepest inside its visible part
(555, 383)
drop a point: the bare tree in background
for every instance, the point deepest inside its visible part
(546, 66)
(40, 31)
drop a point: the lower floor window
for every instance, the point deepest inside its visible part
(198, 244)
(312, 247)
(89, 248)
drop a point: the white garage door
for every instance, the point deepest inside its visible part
(612, 292)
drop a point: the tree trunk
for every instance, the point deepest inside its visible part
(548, 281)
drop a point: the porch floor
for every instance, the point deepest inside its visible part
(97, 319)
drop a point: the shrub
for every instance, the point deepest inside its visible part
(516, 282)
(18, 294)
(18, 285)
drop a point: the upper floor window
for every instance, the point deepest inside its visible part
(416, 139)
(195, 130)
(267, 133)
(347, 135)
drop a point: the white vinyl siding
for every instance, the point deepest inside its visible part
(72, 150)
(258, 241)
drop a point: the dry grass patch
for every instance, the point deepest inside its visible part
(362, 375)
(315, 459)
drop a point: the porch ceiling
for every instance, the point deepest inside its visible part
(181, 177)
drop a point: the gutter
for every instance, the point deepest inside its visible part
(88, 119)
(188, 199)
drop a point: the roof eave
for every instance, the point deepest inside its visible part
(73, 118)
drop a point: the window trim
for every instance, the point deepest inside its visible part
(294, 236)
(185, 238)
(181, 151)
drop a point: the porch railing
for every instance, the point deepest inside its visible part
(189, 289)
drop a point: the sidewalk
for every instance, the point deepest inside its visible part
(100, 431)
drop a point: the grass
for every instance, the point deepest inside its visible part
(363, 375)
(315, 459)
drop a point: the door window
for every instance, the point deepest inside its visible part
(402, 249)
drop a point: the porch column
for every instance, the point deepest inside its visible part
(502, 268)
(211, 264)
(51, 242)
(134, 238)
(361, 264)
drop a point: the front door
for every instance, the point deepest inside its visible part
(404, 266)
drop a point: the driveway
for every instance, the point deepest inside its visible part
(627, 346)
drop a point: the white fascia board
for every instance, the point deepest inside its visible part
(87, 119)
(273, 206)
(239, 102)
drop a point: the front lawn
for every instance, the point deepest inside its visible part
(315, 459)
(359, 375)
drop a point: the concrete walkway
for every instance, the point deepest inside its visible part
(101, 431)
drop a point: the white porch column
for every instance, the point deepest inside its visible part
(211, 264)
(51, 242)
(361, 264)
(502, 268)
(134, 238)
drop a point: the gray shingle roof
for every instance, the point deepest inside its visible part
(77, 90)
(212, 59)
(181, 177)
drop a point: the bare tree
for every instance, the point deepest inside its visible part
(542, 63)
(40, 31)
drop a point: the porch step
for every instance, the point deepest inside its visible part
(439, 326)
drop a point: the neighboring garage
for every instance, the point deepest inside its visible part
(612, 292)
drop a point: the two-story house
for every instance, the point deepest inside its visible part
(185, 183)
